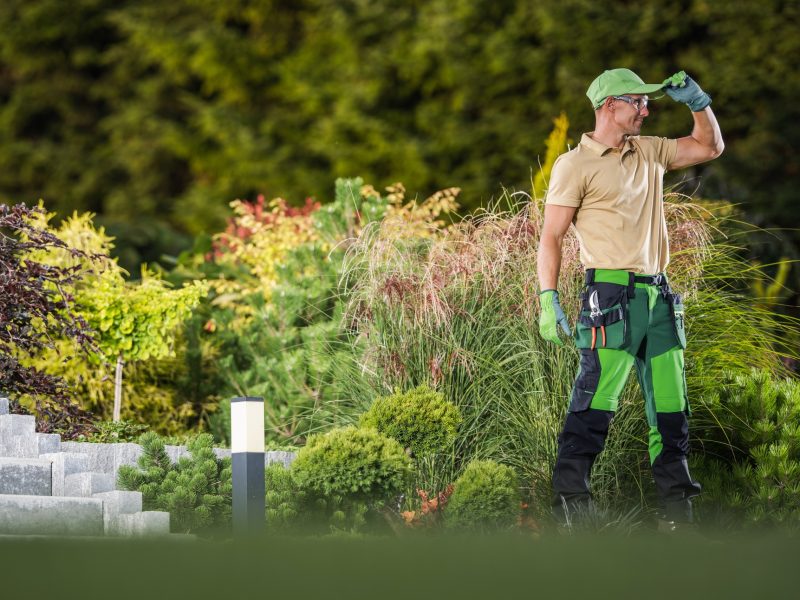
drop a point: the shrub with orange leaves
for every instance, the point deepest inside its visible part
(526, 521)
(429, 513)
(258, 238)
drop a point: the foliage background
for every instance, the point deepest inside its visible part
(156, 115)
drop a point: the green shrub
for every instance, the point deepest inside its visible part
(485, 498)
(325, 494)
(291, 508)
(751, 465)
(421, 419)
(284, 500)
(109, 432)
(196, 490)
(358, 464)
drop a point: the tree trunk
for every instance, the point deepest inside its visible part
(118, 388)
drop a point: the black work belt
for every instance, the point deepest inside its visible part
(627, 278)
(656, 280)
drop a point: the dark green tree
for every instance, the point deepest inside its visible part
(156, 115)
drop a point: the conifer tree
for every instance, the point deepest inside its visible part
(196, 490)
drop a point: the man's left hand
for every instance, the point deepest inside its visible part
(552, 316)
(682, 88)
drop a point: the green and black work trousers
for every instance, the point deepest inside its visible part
(628, 319)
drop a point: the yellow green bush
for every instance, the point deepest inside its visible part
(135, 322)
(420, 419)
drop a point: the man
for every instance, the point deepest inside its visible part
(610, 187)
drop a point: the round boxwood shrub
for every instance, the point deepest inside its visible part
(421, 419)
(349, 462)
(485, 498)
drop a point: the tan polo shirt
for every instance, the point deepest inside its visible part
(619, 195)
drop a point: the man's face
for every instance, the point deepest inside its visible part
(630, 111)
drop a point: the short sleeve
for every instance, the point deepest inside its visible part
(566, 185)
(665, 149)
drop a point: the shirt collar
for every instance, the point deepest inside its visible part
(601, 149)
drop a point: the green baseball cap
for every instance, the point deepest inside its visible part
(618, 81)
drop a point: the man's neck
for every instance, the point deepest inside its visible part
(612, 139)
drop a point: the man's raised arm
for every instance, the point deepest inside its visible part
(705, 142)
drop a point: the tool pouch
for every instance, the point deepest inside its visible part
(613, 301)
(678, 317)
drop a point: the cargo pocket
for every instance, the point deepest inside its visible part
(587, 381)
(678, 318)
(611, 320)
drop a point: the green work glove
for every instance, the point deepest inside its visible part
(682, 88)
(552, 315)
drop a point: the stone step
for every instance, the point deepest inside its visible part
(63, 465)
(3, 405)
(118, 503)
(39, 536)
(25, 476)
(86, 485)
(48, 443)
(179, 538)
(105, 458)
(13, 425)
(282, 456)
(47, 515)
(20, 446)
(108, 458)
(147, 523)
(29, 445)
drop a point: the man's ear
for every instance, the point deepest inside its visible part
(610, 103)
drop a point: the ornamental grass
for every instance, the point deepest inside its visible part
(458, 311)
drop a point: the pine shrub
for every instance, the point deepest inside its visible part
(196, 490)
(751, 466)
(421, 420)
(485, 498)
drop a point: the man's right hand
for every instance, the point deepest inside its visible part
(551, 317)
(682, 88)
